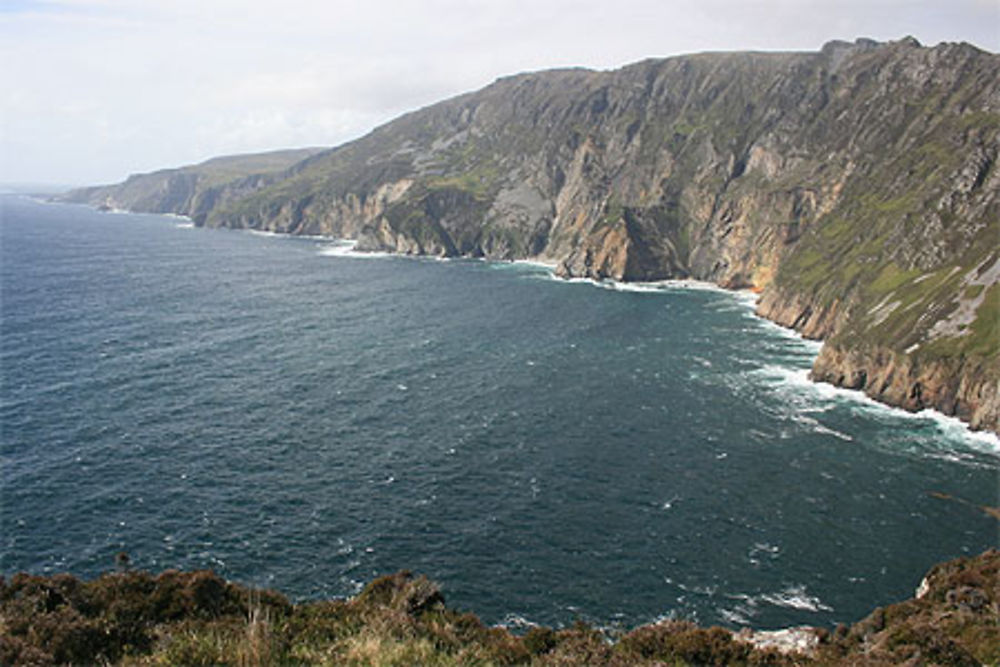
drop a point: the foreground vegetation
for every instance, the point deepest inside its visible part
(197, 618)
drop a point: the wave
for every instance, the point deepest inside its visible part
(284, 235)
(513, 621)
(347, 248)
(791, 376)
(811, 344)
(532, 267)
(795, 597)
(809, 396)
(955, 426)
(743, 297)
(542, 264)
(823, 395)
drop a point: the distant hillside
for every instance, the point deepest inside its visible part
(195, 189)
(856, 188)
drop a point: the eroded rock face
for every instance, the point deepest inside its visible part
(813, 319)
(915, 383)
(856, 188)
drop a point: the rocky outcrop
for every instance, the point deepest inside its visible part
(856, 188)
(812, 318)
(913, 382)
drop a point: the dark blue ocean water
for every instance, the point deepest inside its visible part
(298, 418)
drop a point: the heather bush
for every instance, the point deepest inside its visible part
(197, 618)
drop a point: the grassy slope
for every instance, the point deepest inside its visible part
(221, 170)
(174, 190)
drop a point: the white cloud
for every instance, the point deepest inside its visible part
(94, 89)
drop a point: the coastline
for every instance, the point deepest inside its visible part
(736, 306)
(344, 247)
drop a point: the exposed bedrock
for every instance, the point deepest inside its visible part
(964, 388)
(856, 188)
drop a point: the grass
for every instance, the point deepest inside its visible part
(481, 182)
(197, 618)
(614, 211)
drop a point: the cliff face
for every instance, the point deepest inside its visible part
(914, 383)
(192, 190)
(855, 187)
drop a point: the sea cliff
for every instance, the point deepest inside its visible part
(855, 187)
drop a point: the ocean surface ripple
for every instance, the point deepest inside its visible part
(280, 411)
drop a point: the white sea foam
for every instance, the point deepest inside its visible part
(808, 344)
(735, 616)
(660, 287)
(539, 263)
(791, 597)
(813, 424)
(808, 396)
(346, 248)
(795, 597)
(284, 235)
(639, 288)
(764, 548)
(517, 622)
(989, 442)
(784, 375)
(797, 378)
(819, 428)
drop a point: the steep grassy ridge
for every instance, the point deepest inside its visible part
(195, 189)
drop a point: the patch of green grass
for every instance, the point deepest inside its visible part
(890, 278)
(984, 338)
(481, 182)
(972, 291)
(614, 211)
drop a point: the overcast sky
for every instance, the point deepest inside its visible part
(93, 90)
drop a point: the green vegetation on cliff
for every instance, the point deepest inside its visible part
(197, 618)
(856, 187)
(195, 189)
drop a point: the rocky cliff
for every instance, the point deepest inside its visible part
(193, 190)
(856, 188)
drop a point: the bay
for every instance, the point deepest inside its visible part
(296, 417)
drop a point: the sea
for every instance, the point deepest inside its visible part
(296, 415)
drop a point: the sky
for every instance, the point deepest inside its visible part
(94, 90)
